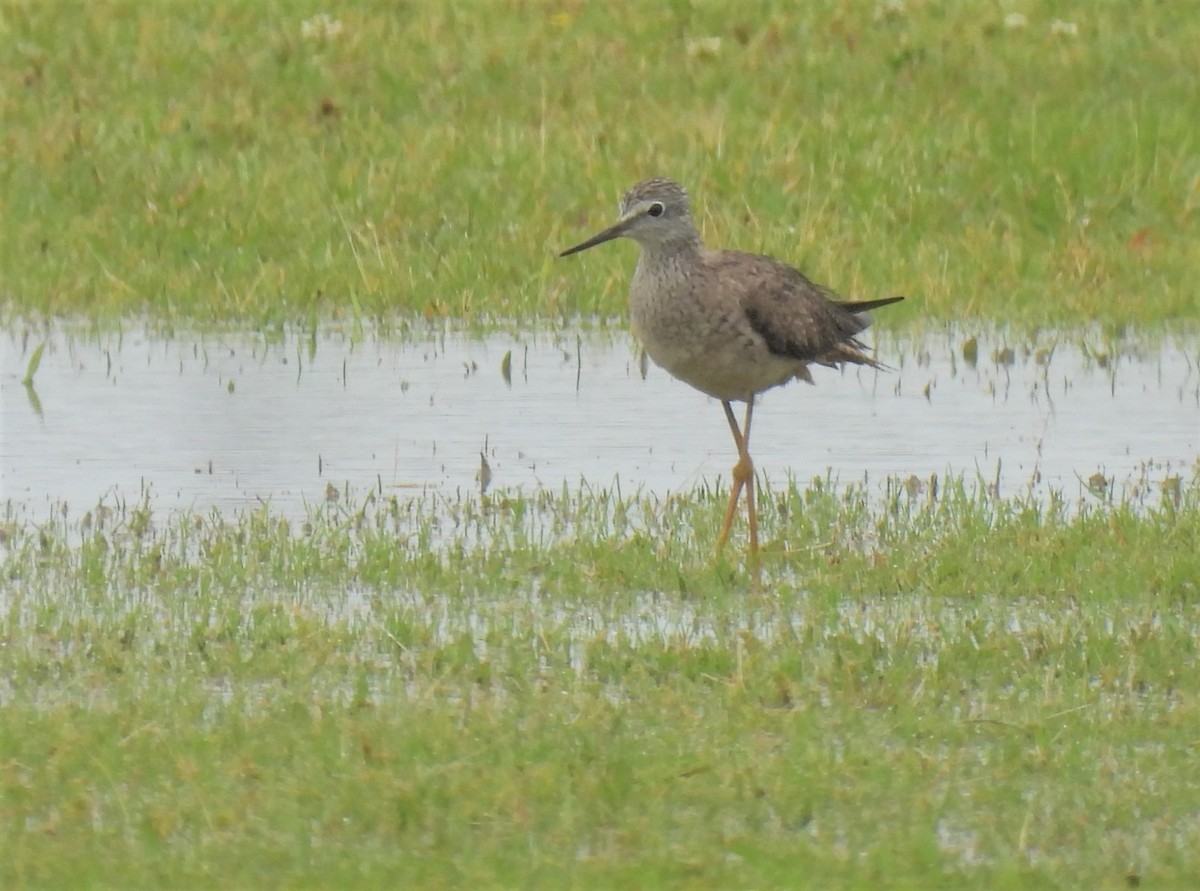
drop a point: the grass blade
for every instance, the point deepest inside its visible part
(34, 361)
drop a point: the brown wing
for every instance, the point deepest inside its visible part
(796, 317)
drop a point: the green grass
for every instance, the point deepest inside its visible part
(211, 162)
(563, 690)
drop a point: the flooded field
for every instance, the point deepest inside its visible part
(233, 421)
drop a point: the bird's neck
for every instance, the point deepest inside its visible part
(664, 268)
(682, 249)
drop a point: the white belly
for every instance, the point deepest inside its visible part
(730, 371)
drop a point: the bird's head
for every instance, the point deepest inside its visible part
(654, 212)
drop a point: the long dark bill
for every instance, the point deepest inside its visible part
(607, 235)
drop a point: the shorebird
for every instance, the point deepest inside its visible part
(731, 324)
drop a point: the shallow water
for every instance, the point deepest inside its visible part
(231, 421)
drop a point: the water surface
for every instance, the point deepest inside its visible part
(232, 421)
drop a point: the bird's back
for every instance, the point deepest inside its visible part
(795, 317)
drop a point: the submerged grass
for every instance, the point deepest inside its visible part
(263, 163)
(564, 689)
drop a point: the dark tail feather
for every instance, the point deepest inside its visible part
(857, 306)
(852, 349)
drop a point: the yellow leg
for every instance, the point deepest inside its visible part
(751, 506)
(743, 478)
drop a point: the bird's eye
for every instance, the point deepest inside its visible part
(656, 209)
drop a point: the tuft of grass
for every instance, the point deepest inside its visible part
(563, 688)
(261, 165)
(35, 361)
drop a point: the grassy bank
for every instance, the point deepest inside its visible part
(567, 690)
(262, 163)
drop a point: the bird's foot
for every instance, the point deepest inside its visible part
(743, 480)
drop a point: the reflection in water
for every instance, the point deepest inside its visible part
(231, 421)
